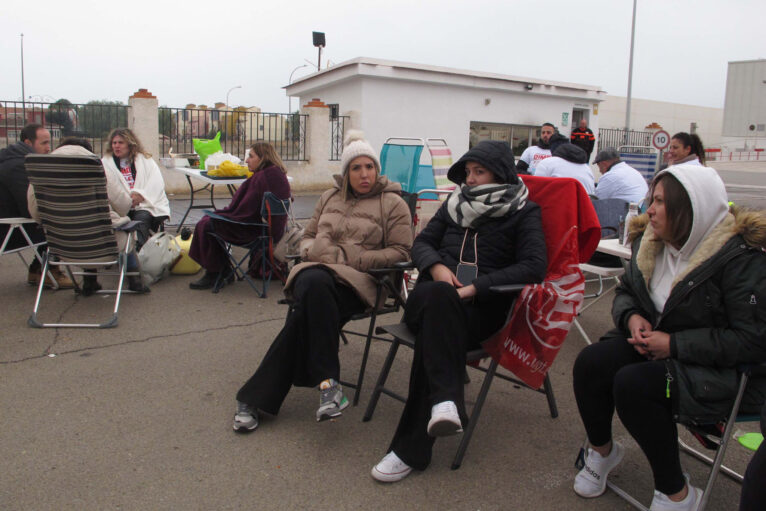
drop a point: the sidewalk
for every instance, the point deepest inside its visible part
(139, 417)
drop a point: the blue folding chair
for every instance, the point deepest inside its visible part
(400, 161)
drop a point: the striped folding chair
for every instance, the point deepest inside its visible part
(74, 211)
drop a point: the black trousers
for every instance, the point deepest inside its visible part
(445, 328)
(36, 235)
(305, 352)
(149, 223)
(611, 375)
(753, 496)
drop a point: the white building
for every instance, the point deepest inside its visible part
(744, 120)
(387, 98)
(672, 117)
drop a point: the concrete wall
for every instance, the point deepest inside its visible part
(673, 117)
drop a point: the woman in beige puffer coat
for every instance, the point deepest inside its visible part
(360, 224)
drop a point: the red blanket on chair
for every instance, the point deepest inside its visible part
(541, 317)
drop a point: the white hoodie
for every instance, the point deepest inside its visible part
(710, 206)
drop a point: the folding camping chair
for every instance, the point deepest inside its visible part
(719, 444)
(261, 244)
(17, 236)
(74, 211)
(546, 192)
(400, 161)
(391, 295)
(441, 161)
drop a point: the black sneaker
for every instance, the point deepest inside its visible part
(245, 419)
(206, 282)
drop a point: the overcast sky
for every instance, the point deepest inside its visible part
(194, 52)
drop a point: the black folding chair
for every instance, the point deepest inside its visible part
(402, 335)
(716, 442)
(261, 244)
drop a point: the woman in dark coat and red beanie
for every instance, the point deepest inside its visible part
(269, 175)
(489, 225)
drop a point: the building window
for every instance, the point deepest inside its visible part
(215, 115)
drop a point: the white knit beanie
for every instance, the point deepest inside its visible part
(355, 146)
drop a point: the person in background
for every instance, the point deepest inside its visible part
(34, 139)
(583, 137)
(360, 224)
(533, 155)
(691, 306)
(141, 177)
(568, 160)
(488, 223)
(269, 175)
(618, 179)
(686, 148)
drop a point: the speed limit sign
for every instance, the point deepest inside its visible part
(661, 140)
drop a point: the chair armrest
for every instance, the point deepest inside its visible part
(508, 288)
(406, 265)
(229, 220)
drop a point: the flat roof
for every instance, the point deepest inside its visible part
(366, 66)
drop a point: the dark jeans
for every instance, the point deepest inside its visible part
(305, 351)
(445, 327)
(148, 225)
(611, 375)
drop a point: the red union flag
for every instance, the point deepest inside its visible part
(541, 317)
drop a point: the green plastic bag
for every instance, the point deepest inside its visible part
(204, 147)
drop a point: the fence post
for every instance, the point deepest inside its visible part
(144, 120)
(316, 173)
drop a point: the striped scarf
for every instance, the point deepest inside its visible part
(471, 206)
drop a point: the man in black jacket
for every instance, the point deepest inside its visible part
(583, 137)
(13, 194)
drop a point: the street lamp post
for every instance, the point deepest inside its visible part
(289, 81)
(630, 74)
(229, 91)
(23, 102)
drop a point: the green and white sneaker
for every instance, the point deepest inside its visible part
(331, 400)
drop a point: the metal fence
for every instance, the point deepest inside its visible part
(719, 155)
(239, 129)
(337, 134)
(617, 137)
(92, 121)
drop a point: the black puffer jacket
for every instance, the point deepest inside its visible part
(511, 249)
(14, 181)
(715, 314)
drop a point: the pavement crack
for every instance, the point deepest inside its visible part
(57, 333)
(140, 340)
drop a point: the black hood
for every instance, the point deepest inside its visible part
(571, 152)
(494, 155)
(556, 140)
(17, 150)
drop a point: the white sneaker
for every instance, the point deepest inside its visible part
(591, 480)
(661, 502)
(445, 420)
(391, 469)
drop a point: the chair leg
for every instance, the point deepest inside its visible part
(381, 383)
(363, 365)
(32, 321)
(550, 397)
(475, 413)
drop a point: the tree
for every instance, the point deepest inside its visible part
(166, 121)
(98, 118)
